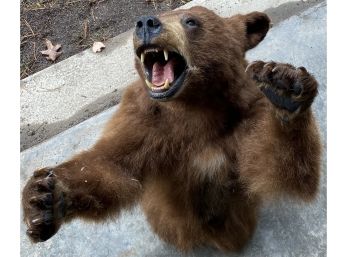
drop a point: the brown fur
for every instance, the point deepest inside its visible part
(199, 164)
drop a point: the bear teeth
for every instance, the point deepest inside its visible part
(165, 52)
(166, 85)
(148, 50)
(149, 84)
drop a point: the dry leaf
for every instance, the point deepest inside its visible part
(52, 51)
(98, 47)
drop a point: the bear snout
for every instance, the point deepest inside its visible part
(148, 27)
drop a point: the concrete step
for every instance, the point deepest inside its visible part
(285, 228)
(85, 84)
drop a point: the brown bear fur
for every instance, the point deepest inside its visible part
(201, 162)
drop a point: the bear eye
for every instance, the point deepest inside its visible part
(191, 23)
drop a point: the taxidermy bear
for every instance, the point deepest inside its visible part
(200, 140)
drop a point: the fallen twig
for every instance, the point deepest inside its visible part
(28, 25)
(34, 50)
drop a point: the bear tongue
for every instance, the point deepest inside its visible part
(160, 73)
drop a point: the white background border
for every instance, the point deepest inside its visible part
(337, 127)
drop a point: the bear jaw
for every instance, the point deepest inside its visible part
(164, 71)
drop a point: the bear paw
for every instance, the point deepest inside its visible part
(291, 90)
(43, 204)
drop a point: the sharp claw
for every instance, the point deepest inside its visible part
(268, 64)
(34, 235)
(36, 221)
(43, 201)
(31, 232)
(33, 200)
(249, 65)
(275, 69)
(50, 184)
(50, 173)
(44, 218)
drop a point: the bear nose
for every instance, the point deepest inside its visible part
(148, 27)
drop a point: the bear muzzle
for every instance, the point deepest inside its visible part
(164, 70)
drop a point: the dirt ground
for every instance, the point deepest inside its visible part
(76, 24)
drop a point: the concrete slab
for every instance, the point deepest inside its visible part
(285, 228)
(75, 89)
(83, 85)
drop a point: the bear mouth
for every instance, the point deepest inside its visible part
(164, 70)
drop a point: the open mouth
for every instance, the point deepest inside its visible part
(165, 70)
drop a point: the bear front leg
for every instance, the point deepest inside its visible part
(286, 148)
(89, 186)
(291, 90)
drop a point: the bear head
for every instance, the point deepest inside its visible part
(194, 52)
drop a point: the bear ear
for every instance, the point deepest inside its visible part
(255, 27)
